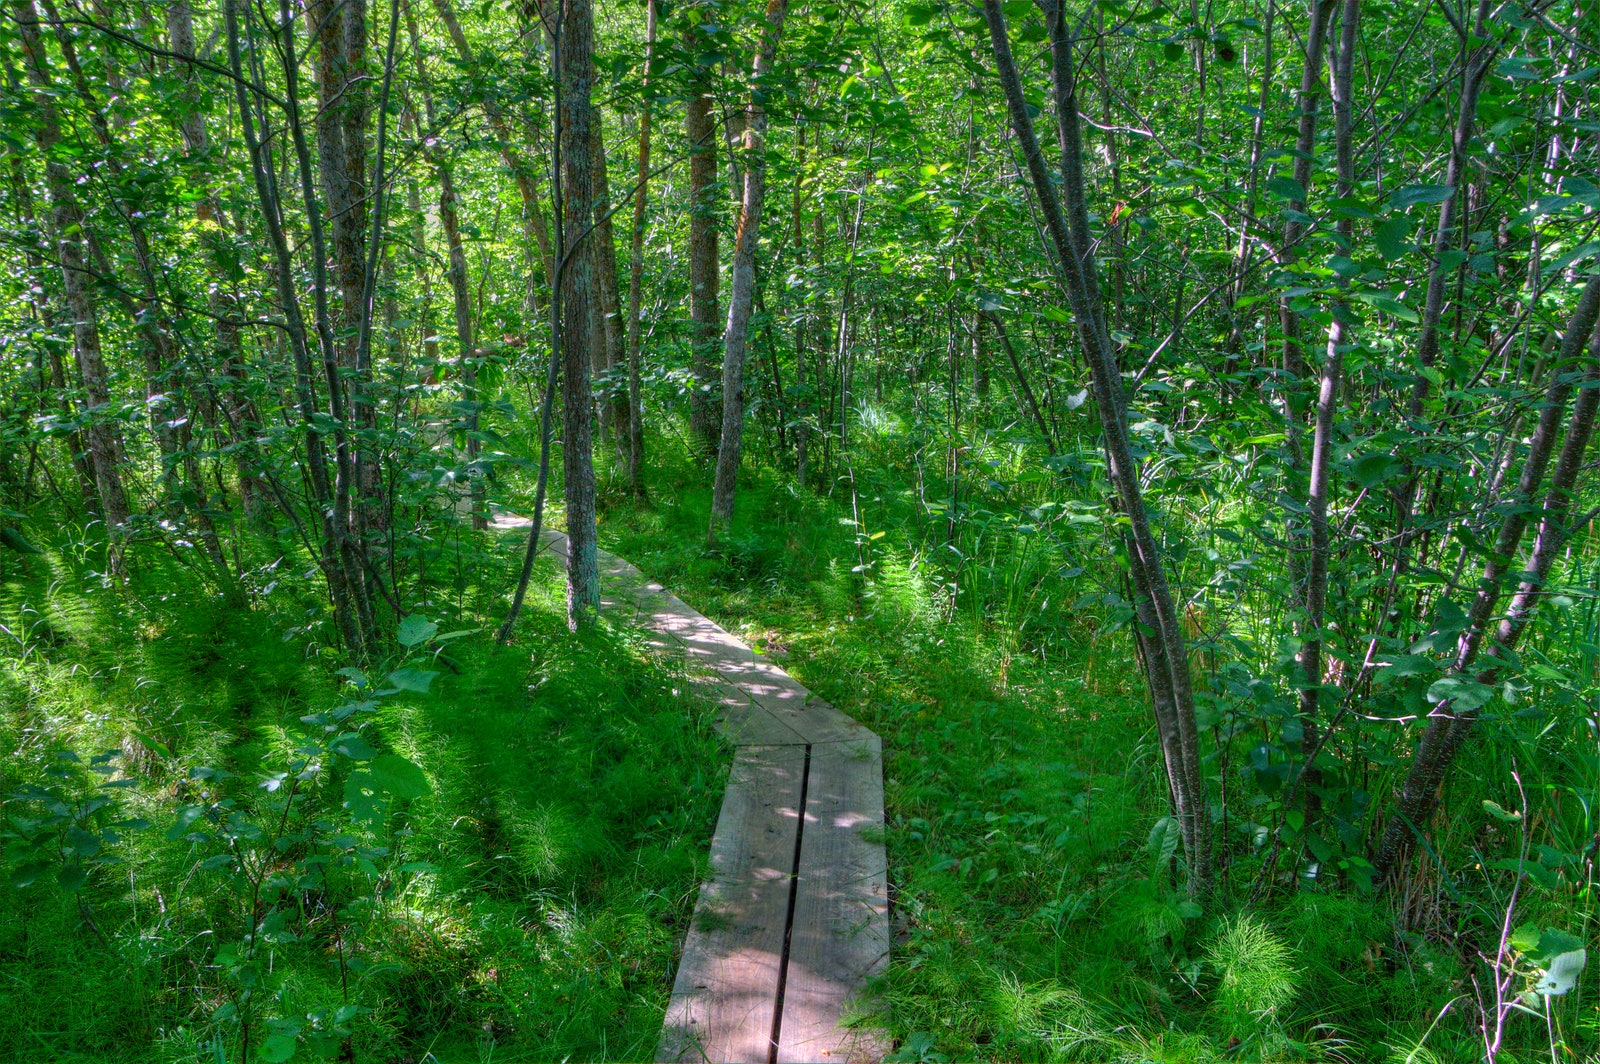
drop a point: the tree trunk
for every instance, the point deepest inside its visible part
(575, 55)
(635, 448)
(1322, 442)
(614, 405)
(70, 228)
(705, 411)
(1448, 726)
(456, 273)
(1171, 688)
(334, 559)
(1294, 363)
(742, 295)
(340, 29)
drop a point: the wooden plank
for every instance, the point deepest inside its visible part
(840, 934)
(726, 992)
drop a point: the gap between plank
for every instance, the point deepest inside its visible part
(788, 921)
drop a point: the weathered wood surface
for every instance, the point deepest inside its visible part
(725, 995)
(794, 919)
(839, 936)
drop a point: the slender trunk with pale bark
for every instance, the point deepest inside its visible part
(741, 294)
(635, 449)
(1066, 220)
(1319, 477)
(69, 227)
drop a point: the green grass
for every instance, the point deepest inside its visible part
(555, 859)
(1032, 918)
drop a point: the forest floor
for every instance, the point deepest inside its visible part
(535, 900)
(1034, 914)
(575, 783)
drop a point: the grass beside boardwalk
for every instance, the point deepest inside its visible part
(529, 906)
(1035, 916)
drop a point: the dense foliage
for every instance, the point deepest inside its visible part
(1167, 426)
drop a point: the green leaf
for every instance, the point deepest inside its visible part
(1165, 836)
(409, 679)
(1499, 812)
(1553, 941)
(1464, 694)
(1411, 195)
(1393, 237)
(400, 776)
(1387, 304)
(1561, 974)
(17, 542)
(415, 629)
(1286, 188)
(72, 878)
(28, 874)
(1532, 869)
(354, 747)
(1370, 470)
(277, 1048)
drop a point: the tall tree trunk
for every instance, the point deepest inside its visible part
(1478, 61)
(334, 560)
(1447, 726)
(575, 54)
(53, 378)
(705, 412)
(742, 294)
(523, 173)
(636, 263)
(456, 274)
(222, 301)
(165, 398)
(614, 409)
(1022, 377)
(1322, 443)
(70, 228)
(1168, 671)
(340, 63)
(1294, 363)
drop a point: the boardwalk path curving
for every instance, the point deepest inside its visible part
(794, 919)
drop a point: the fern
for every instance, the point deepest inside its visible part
(1256, 975)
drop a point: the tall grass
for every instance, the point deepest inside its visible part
(532, 907)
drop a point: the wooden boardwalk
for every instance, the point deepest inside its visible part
(794, 918)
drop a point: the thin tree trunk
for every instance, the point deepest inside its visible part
(522, 173)
(222, 301)
(575, 52)
(705, 412)
(1171, 688)
(456, 274)
(1022, 378)
(742, 295)
(614, 406)
(333, 559)
(70, 228)
(1294, 363)
(1447, 726)
(636, 264)
(339, 28)
(1322, 443)
(164, 392)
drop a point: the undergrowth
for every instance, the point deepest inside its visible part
(1035, 905)
(522, 898)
